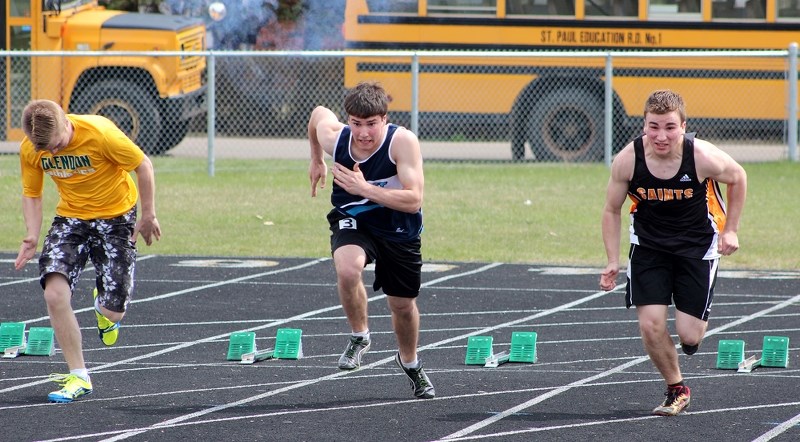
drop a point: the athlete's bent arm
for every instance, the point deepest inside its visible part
(147, 224)
(714, 163)
(617, 190)
(323, 129)
(408, 158)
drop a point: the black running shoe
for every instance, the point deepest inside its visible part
(422, 386)
(689, 349)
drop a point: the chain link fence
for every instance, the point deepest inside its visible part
(481, 106)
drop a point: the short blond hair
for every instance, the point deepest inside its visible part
(41, 121)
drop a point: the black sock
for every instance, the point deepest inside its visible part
(679, 384)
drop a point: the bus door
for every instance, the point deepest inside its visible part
(17, 30)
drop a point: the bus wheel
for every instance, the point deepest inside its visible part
(567, 125)
(129, 106)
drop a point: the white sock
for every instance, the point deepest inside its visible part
(97, 304)
(364, 334)
(81, 373)
(414, 364)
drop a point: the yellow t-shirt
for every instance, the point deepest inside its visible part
(92, 174)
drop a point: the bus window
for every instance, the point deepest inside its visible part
(540, 7)
(612, 8)
(484, 7)
(788, 9)
(19, 72)
(674, 9)
(20, 8)
(20, 38)
(738, 9)
(393, 6)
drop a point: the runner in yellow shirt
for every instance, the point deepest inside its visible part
(90, 161)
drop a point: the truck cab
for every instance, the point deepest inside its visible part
(151, 98)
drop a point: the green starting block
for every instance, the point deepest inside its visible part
(241, 343)
(478, 349)
(523, 347)
(480, 352)
(12, 339)
(40, 342)
(289, 344)
(775, 352)
(730, 353)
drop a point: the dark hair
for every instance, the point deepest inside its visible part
(663, 102)
(41, 120)
(366, 100)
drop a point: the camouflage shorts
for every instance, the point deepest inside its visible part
(70, 242)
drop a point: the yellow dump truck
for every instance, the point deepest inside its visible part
(151, 98)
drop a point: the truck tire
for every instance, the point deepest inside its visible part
(130, 106)
(171, 135)
(567, 125)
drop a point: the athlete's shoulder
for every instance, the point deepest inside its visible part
(711, 161)
(623, 162)
(28, 154)
(405, 138)
(91, 123)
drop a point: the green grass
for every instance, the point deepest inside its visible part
(473, 212)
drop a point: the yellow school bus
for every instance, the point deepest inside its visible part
(152, 99)
(553, 106)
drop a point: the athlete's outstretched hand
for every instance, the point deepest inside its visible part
(317, 173)
(608, 278)
(27, 250)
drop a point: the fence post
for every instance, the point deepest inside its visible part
(415, 94)
(609, 125)
(211, 103)
(792, 117)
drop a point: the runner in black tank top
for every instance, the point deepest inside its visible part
(376, 218)
(679, 228)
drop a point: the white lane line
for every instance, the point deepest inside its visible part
(180, 419)
(268, 325)
(780, 429)
(36, 279)
(404, 402)
(511, 411)
(620, 420)
(199, 341)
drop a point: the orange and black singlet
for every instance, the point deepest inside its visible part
(678, 215)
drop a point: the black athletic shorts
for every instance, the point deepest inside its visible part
(656, 277)
(398, 265)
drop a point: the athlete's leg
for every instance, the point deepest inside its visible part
(349, 261)
(58, 297)
(405, 320)
(658, 342)
(691, 330)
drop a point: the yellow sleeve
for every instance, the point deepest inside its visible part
(32, 174)
(122, 150)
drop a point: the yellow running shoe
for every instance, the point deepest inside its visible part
(108, 331)
(72, 387)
